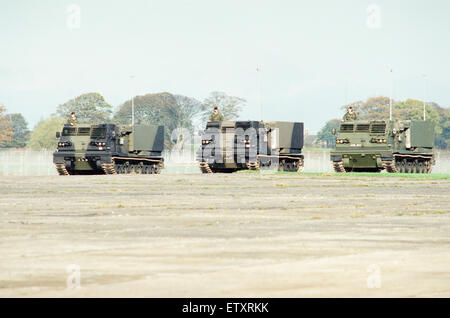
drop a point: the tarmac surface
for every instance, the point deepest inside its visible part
(225, 235)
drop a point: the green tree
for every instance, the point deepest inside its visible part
(6, 131)
(147, 109)
(326, 135)
(413, 109)
(43, 135)
(229, 106)
(443, 139)
(90, 108)
(21, 133)
(375, 108)
(171, 111)
(188, 110)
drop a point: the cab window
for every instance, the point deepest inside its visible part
(69, 131)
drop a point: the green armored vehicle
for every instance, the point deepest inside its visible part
(109, 149)
(398, 146)
(228, 146)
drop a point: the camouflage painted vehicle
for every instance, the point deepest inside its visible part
(109, 149)
(398, 146)
(229, 146)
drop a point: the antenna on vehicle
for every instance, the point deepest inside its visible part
(390, 97)
(424, 93)
(132, 105)
(259, 75)
(346, 92)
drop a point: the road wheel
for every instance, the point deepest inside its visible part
(398, 165)
(403, 166)
(287, 166)
(428, 167)
(420, 167)
(408, 167)
(414, 167)
(274, 165)
(119, 168)
(158, 168)
(281, 166)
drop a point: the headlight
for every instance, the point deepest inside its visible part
(97, 144)
(378, 140)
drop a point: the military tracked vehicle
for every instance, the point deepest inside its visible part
(109, 149)
(229, 146)
(394, 145)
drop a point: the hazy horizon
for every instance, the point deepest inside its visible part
(314, 56)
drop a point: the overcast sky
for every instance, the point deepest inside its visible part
(314, 56)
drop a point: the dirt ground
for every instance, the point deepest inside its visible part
(237, 235)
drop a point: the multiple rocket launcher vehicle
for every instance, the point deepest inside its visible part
(398, 146)
(109, 149)
(229, 146)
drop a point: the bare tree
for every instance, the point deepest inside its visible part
(229, 106)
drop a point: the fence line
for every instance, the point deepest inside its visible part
(28, 162)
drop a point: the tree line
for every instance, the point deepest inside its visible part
(377, 108)
(178, 111)
(14, 132)
(170, 110)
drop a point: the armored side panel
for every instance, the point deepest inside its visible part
(147, 138)
(422, 134)
(290, 136)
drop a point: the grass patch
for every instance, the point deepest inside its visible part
(354, 174)
(381, 175)
(316, 149)
(419, 213)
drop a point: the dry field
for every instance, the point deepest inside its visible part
(238, 235)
